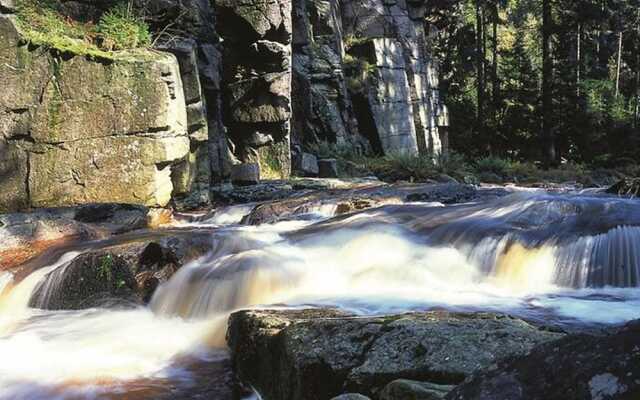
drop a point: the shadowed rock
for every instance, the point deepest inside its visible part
(577, 367)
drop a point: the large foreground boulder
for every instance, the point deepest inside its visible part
(577, 367)
(319, 354)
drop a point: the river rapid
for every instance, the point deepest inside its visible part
(569, 261)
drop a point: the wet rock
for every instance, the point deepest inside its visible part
(26, 235)
(328, 168)
(128, 216)
(351, 396)
(577, 367)
(264, 191)
(245, 174)
(317, 354)
(403, 389)
(119, 274)
(626, 187)
(450, 193)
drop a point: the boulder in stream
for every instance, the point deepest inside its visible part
(318, 354)
(120, 274)
(577, 367)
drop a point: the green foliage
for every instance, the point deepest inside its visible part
(495, 165)
(358, 71)
(43, 24)
(587, 118)
(120, 29)
(105, 270)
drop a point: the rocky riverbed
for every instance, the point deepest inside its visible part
(315, 289)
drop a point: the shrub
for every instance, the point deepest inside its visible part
(494, 165)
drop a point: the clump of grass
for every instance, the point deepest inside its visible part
(42, 23)
(120, 29)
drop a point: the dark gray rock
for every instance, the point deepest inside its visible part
(120, 274)
(307, 164)
(404, 389)
(328, 168)
(245, 174)
(351, 396)
(449, 193)
(625, 187)
(318, 354)
(577, 367)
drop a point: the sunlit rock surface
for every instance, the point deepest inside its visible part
(74, 131)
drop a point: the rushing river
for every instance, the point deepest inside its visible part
(570, 261)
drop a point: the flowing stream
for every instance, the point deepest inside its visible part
(570, 260)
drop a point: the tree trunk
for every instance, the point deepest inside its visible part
(480, 66)
(578, 62)
(548, 142)
(636, 120)
(494, 68)
(618, 64)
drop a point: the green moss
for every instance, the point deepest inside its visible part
(270, 164)
(351, 41)
(358, 71)
(42, 24)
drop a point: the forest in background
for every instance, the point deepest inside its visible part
(540, 80)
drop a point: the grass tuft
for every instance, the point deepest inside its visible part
(42, 23)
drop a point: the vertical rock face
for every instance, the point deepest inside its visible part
(393, 75)
(322, 109)
(197, 49)
(257, 81)
(238, 82)
(76, 131)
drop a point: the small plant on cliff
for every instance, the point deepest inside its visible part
(44, 23)
(119, 29)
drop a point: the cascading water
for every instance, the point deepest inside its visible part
(568, 260)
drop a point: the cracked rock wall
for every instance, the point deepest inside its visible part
(257, 81)
(399, 82)
(75, 131)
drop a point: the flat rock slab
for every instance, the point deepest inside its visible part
(319, 354)
(577, 367)
(25, 235)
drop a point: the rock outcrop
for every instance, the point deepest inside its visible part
(319, 354)
(323, 110)
(577, 367)
(75, 131)
(393, 75)
(236, 82)
(257, 81)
